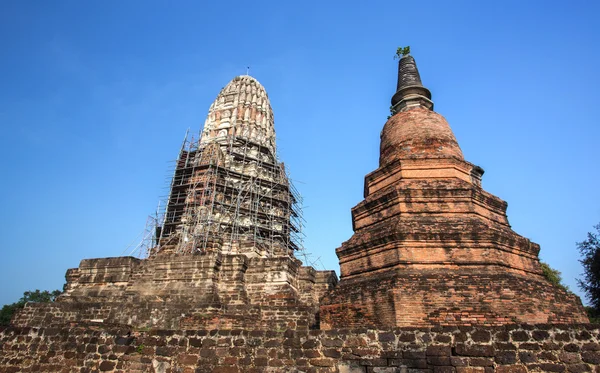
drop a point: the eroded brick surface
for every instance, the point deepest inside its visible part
(212, 290)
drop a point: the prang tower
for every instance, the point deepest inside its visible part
(224, 255)
(229, 193)
(430, 246)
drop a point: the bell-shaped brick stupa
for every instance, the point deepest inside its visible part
(431, 247)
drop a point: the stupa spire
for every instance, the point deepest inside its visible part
(410, 92)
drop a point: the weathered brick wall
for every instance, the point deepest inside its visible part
(170, 315)
(212, 290)
(511, 348)
(430, 298)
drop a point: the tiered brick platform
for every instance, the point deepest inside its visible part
(211, 290)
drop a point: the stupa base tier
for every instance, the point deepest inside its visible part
(187, 291)
(141, 314)
(447, 297)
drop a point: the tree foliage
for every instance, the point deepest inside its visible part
(7, 312)
(554, 276)
(402, 51)
(590, 260)
(36, 296)
(592, 315)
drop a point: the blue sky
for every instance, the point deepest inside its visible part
(96, 97)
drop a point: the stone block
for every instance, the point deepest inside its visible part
(414, 354)
(322, 362)
(444, 369)
(590, 346)
(383, 370)
(481, 336)
(562, 337)
(511, 369)
(519, 336)
(333, 353)
(459, 361)
(351, 367)
(470, 369)
(476, 350)
(332, 342)
(578, 368)
(528, 357)
(551, 367)
(571, 347)
(506, 357)
(438, 350)
(107, 365)
(591, 357)
(229, 369)
(387, 337)
(438, 360)
(481, 361)
(569, 358)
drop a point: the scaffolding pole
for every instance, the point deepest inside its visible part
(233, 193)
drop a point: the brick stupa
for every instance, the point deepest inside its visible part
(431, 247)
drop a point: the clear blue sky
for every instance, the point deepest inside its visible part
(96, 97)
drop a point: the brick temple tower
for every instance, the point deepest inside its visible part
(224, 255)
(229, 193)
(430, 245)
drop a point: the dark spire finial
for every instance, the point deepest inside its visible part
(410, 92)
(408, 74)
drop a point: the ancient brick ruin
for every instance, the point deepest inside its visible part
(431, 247)
(432, 281)
(224, 253)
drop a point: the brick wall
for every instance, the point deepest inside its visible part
(170, 315)
(98, 348)
(212, 290)
(463, 298)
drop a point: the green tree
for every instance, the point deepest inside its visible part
(7, 312)
(402, 51)
(590, 260)
(36, 296)
(554, 276)
(592, 315)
